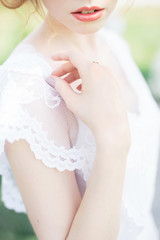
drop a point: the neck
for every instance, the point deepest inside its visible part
(55, 36)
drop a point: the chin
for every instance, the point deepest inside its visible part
(87, 28)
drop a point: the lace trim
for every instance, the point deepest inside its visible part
(23, 79)
(51, 155)
(45, 150)
(26, 86)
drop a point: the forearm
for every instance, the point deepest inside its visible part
(98, 216)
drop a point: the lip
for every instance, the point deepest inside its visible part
(90, 16)
(87, 9)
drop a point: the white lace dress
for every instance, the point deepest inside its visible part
(32, 110)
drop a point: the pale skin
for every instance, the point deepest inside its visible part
(54, 205)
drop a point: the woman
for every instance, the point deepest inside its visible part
(97, 140)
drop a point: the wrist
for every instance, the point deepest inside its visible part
(113, 145)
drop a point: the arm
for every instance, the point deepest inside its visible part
(53, 202)
(98, 216)
(51, 197)
(100, 105)
(53, 211)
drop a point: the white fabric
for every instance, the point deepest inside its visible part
(32, 110)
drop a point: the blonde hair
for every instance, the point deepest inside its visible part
(37, 4)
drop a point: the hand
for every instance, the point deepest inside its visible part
(100, 104)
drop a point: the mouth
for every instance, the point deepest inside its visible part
(87, 10)
(87, 14)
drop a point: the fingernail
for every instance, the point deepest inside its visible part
(50, 80)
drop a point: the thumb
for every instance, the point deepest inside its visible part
(64, 89)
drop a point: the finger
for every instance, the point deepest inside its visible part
(63, 88)
(72, 77)
(70, 97)
(64, 69)
(75, 57)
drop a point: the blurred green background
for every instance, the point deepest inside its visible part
(142, 31)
